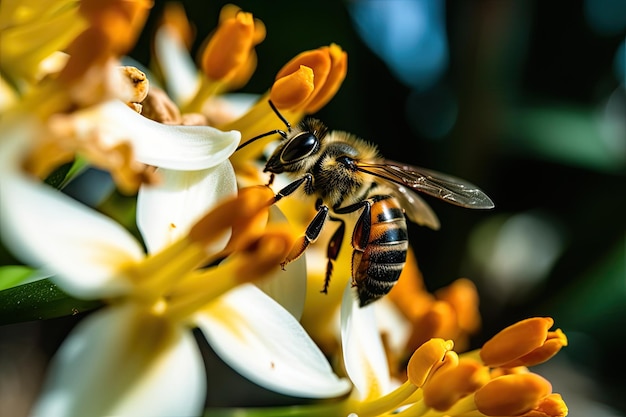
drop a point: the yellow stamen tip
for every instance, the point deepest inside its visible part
(512, 395)
(293, 89)
(248, 208)
(175, 18)
(426, 359)
(230, 47)
(265, 254)
(448, 386)
(139, 84)
(550, 406)
(338, 72)
(528, 337)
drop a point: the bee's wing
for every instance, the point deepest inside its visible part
(443, 186)
(415, 208)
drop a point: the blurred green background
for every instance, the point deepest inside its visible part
(523, 98)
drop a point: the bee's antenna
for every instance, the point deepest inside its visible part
(280, 116)
(271, 132)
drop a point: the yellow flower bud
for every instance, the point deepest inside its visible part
(426, 359)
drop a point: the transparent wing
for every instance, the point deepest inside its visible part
(443, 186)
(415, 208)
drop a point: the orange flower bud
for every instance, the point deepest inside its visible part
(246, 214)
(525, 343)
(293, 88)
(462, 295)
(338, 71)
(329, 66)
(448, 386)
(409, 294)
(263, 255)
(439, 321)
(512, 395)
(114, 26)
(231, 46)
(175, 18)
(120, 20)
(426, 359)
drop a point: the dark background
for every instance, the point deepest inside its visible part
(526, 87)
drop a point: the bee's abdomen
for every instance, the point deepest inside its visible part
(377, 265)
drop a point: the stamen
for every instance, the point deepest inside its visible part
(516, 341)
(426, 359)
(512, 395)
(551, 406)
(338, 71)
(553, 344)
(229, 47)
(259, 258)
(175, 19)
(389, 402)
(293, 89)
(156, 275)
(138, 82)
(243, 213)
(448, 386)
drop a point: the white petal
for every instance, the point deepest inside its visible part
(264, 343)
(175, 147)
(287, 287)
(166, 211)
(363, 352)
(176, 65)
(119, 362)
(45, 228)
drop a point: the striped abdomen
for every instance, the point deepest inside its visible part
(380, 242)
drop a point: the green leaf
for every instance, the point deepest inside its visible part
(66, 172)
(11, 275)
(39, 300)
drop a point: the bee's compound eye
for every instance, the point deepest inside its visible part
(299, 147)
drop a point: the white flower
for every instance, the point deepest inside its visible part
(137, 356)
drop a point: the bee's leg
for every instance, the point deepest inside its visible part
(362, 228)
(311, 234)
(361, 234)
(334, 245)
(271, 180)
(290, 188)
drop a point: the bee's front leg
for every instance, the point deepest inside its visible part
(290, 188)
(311, 234)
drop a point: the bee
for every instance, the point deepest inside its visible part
(347, 174)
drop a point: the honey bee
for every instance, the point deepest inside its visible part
(347, 174)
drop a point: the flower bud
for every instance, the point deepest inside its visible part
(427, 358)
(294, 88)
(448, 386)
(231, 46)
(525, 343)
(329, 66)
(512, 395)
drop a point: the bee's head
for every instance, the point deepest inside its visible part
(295, 152)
